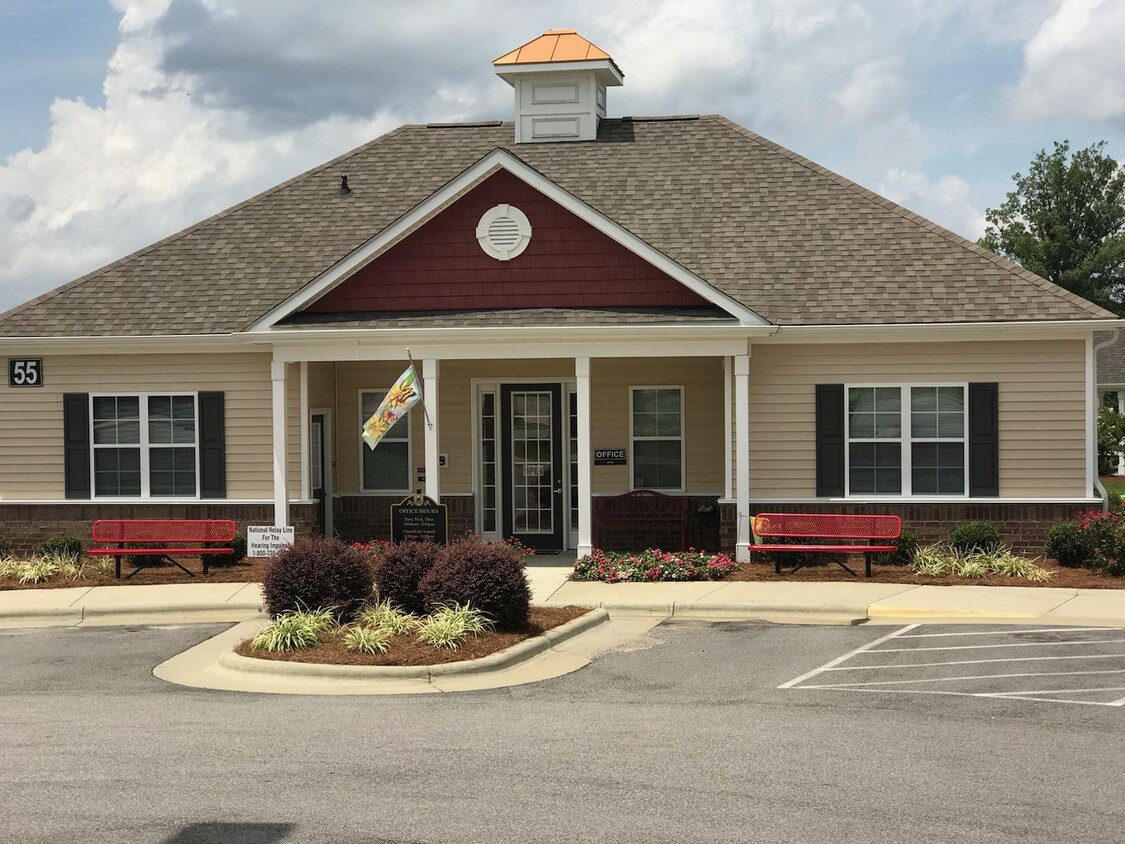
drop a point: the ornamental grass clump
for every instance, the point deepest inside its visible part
(653, 566)
(294, 630)
(318, 572)
(399, 570)
(367, 640)
(488, 576)
(943, 559)
(384, 616)
(449, 626)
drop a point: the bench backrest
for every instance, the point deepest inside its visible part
(163, 530)
(641, 504)
(827, 525)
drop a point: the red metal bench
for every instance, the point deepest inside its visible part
(826, 526)
(641, 509)
(182, 537)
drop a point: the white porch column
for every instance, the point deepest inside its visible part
(742, 456)
(433, 447)
(306, 489)
(585, 458)
(280, 421)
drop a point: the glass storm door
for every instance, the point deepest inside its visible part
(532, 449)
(317, 465)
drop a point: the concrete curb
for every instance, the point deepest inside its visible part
(748, 612)
(493, 662)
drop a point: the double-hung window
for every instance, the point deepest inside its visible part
(907, 440)
(145, 446)
(658, 438)
(386, 468)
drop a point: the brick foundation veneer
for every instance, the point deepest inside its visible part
(1023, 526)
(25, 526)
(359, 518)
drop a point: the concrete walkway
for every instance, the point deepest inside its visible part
(839, 602)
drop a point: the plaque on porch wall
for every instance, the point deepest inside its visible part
(419, 519)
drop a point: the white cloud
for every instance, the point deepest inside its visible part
(945, 201)
(209, 101)
(1074, 65)
(875, 87)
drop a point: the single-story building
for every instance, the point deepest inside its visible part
(595, 305)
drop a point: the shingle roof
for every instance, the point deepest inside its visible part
(791, 240)
(1111, 360)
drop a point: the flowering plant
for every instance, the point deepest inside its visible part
(374, 548)
(653, 565)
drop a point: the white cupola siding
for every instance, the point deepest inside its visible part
(560, 82)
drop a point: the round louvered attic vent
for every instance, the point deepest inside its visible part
(503, 232)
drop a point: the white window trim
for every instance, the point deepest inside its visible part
(144, 446)
(408, 421)
(905, 439)
(682, 438)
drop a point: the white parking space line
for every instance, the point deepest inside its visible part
(847, 656)
(1014, 632)
(997, 686)
(969, 677)
(1005, 645)
(969, 662)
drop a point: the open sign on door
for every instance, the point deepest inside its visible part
(535, 470)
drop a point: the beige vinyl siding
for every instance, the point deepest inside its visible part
(31, 446)
(1041, 406)
(351, 377)
(456, 394)
(611, 381)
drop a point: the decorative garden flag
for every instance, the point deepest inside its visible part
(399, 399)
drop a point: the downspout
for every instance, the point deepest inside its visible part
(1098, 485)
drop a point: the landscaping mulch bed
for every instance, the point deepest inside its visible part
(1062, 578)
(407, 650)
(246, 571)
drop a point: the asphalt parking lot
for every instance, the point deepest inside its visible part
(680, 736)
(1079, 666)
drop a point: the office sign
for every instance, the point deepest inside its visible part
(610, 457)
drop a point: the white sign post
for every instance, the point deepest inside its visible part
(267, 541)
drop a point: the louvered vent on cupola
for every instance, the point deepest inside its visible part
(560, 80)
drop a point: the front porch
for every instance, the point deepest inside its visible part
(517, 446)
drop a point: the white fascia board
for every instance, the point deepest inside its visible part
(934, 332)
(496, 160)
(560, 344)
(604, 68)
(187, 343)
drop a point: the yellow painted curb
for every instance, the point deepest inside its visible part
(904, 612)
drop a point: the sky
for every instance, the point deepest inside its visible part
(123, 121)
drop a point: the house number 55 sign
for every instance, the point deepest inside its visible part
(25, 372)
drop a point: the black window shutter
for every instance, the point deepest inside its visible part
(212, 446)
(829, 440)
(76, 444)
(984, 441)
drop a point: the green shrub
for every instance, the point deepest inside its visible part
(290, 631)
(368, 640)
(975, 536)
(1070, 545)
(399, 570)
(318, 572)
(906, 546)
(489, 576)
(934, 560)
(1113, 499)
(5, 546)
(237, 546)
(70, 546)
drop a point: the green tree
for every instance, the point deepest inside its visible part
(1065, 221)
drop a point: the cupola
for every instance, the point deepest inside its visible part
(560, 80)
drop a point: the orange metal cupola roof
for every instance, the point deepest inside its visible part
(556, 45)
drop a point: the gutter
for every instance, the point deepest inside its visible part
(1098, 485)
